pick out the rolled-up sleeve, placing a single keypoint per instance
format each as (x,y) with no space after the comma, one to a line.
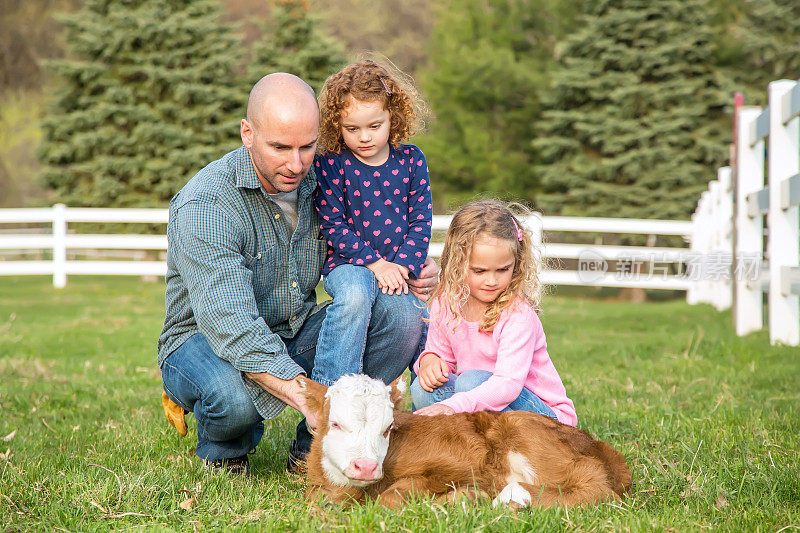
(207,243)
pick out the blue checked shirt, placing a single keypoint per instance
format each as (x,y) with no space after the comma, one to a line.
(236,273)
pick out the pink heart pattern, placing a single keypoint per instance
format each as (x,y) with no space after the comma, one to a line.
(399,191)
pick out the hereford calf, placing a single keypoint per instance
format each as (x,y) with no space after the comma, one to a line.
(366,447)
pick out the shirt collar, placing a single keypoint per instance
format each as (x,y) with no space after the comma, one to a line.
(246,176)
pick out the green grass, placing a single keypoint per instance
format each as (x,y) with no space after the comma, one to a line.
(709,423)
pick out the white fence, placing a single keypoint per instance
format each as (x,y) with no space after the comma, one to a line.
(592,262)
(748,207)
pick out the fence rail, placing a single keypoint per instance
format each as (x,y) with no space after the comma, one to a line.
(592,260)
(764,195)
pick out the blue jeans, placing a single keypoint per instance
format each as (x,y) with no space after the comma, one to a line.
(348,329)
(468,380)
(228,424)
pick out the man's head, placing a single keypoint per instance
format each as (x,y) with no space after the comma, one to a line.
(280,130)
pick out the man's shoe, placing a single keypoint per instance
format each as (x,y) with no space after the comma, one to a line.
(237,466)
(296,462)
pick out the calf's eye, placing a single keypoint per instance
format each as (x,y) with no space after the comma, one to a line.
(334,425)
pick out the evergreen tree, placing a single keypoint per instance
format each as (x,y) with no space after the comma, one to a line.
(636,125)
(147,98)
(294,43)
(486,64)
(767,33)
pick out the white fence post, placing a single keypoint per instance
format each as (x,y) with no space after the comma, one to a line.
(693,292)
(783,163)
(59,245)
(749,313)
(698,292)
(703,226)
(723,245)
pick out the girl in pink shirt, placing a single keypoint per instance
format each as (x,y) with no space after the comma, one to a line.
(486,349)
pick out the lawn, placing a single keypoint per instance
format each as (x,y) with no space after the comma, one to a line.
(708,422)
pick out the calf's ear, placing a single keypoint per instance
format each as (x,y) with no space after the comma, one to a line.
(397,390)
(314,393)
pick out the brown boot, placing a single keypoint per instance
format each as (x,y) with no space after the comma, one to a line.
(174,413)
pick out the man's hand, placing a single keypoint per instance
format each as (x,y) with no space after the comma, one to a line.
(433,372)
(435,409)
(288,391)
(425,284)
(391,276)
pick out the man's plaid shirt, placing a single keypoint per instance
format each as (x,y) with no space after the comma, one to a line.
(237,275)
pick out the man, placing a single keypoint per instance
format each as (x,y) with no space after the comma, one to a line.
(244,258)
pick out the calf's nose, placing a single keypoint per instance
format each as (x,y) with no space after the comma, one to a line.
(364,469)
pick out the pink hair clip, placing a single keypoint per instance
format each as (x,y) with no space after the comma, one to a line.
(519,231)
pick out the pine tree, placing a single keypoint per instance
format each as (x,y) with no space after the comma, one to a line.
(636,126)
(486,64)
(147,98)
(767,33)
(294,43)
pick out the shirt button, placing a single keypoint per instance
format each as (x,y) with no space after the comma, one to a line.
(277,216)
(294,284)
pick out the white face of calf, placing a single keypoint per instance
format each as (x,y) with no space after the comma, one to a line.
(357,438)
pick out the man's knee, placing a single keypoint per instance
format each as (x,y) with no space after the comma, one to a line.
(228,412)
(401,313)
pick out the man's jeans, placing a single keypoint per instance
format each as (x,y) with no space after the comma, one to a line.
(343,337)
(228,424)
(468,380)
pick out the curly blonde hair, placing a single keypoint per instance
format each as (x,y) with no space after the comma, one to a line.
(494,219)
(369,81)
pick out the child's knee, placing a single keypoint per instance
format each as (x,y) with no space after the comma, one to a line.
(353,300)
(470,379)
(419,397)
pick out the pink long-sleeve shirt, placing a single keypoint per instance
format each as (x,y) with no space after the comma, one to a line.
(515,352)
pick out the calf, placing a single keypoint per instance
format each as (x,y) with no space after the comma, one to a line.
(365,447)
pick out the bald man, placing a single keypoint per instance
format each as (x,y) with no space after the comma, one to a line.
(244,258)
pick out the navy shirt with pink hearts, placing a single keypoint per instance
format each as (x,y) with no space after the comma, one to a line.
(371,212)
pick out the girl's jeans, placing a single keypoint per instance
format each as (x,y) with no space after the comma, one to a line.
(348,328)
(526,401)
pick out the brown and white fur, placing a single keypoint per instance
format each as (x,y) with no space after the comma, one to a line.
(364,447)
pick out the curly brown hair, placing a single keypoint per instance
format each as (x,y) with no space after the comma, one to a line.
(495,219)
(369,81)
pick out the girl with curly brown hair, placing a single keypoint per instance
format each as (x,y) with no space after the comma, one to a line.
(374,203)
(486,348)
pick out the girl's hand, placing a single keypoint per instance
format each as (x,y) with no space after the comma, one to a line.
(435,409)
(433,372)
(391,277)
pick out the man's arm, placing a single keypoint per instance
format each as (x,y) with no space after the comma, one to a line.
(205,241)
(289,392)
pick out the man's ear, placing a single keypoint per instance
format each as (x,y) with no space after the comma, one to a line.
(314,393)
(397,390)
(246,131)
